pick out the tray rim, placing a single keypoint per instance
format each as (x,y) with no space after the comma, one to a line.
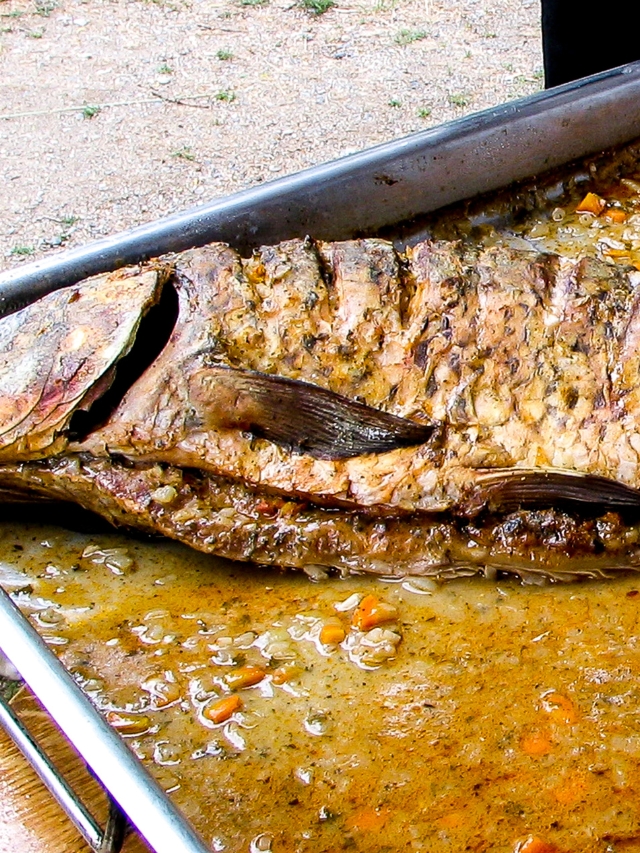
(374,188)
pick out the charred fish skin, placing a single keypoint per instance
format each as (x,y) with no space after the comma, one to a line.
(158,420)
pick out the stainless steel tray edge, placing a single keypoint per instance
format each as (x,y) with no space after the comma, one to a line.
(121,773)
(374,188)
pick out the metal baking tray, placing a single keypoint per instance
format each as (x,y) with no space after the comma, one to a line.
(380,190)
(377,188)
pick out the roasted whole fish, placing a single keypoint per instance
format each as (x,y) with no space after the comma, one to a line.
(446,411)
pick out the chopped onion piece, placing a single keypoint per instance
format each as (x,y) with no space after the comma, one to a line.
(349,603)
(261,843)
(420,586)
(316,572)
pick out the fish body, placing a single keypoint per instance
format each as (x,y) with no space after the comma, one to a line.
(443,411)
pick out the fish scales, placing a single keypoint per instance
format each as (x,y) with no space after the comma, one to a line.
(291,307)
(505,313)
(446,387)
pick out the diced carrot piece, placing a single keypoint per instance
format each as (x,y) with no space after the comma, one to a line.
(453,820)
(222,709)
(128,724)
(372,612)
(269,507)
(536,744)
(286,673)
(591,203)
(245,676)
(368,820)
(331,634)
(615,214)
(560,708)
(571,790)
(533,844)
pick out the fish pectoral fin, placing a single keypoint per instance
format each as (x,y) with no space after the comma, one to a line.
(298,415)
(517,488)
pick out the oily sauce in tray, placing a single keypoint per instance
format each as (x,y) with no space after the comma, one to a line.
(475,714)
(302,712)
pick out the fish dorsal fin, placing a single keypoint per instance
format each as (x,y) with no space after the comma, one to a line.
(521,487)
(298,415)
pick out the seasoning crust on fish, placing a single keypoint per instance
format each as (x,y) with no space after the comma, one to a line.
(437,412)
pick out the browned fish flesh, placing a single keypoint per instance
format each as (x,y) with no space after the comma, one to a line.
(443,411)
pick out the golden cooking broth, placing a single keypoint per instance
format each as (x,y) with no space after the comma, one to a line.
(504,710)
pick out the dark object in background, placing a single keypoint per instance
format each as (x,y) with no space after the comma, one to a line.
(577,42)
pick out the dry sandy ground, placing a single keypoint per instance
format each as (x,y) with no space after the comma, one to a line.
(117,112)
